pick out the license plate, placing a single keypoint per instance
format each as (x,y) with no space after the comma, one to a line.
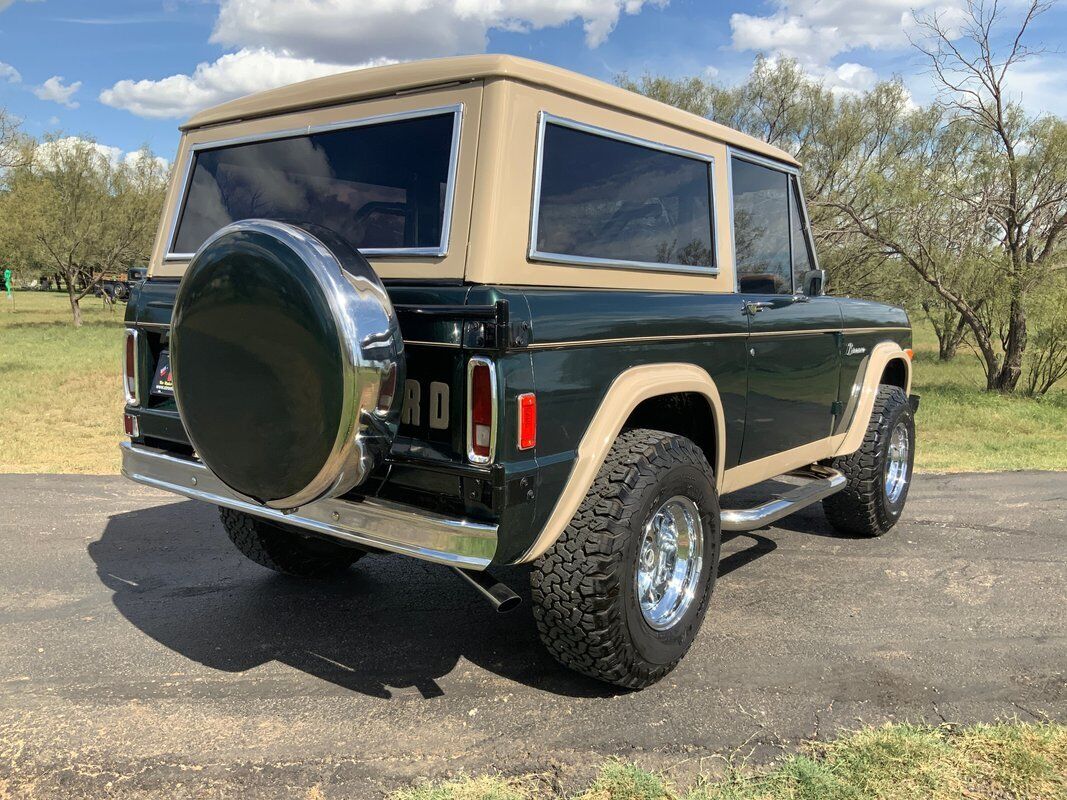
(162,384)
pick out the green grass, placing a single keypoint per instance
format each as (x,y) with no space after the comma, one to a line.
(61,406)
(894,762)
(961,428)
(60,386)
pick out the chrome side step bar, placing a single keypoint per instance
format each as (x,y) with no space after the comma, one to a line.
(822,482)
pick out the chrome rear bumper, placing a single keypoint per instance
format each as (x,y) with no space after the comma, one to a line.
(375,523)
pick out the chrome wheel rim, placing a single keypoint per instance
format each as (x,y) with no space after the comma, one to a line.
(896,463)
(668,562)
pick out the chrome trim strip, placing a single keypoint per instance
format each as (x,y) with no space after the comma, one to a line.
(372,522)
(681,337)
(441,250)
(692,336)
(455,345)
(589,261)
(807,220)
(471,456)
(533,254)
(824,482)
(133,398)
(630,339)
(763,161)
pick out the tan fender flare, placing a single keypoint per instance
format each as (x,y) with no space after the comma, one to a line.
(864,392)
(626,392)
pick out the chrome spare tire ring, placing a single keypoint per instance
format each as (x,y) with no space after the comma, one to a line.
(669,561)
(286,356)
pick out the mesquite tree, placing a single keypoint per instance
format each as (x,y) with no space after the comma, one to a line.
(78,211)
(1021,160)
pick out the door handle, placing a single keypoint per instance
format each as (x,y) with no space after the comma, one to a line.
(801,298)
(753,307)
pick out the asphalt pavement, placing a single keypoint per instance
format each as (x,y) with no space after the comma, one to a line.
(142,656)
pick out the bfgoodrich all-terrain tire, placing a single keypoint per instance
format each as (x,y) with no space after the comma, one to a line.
(596,597)
(283,549)
(879,472)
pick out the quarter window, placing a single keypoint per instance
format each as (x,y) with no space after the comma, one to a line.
(761,228)
(381,186)
(614,202)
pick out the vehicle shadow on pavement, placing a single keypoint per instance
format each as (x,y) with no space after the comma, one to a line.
(389,625)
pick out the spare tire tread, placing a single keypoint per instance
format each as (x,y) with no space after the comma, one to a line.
(284,550)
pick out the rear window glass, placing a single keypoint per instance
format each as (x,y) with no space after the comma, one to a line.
(604,199)
(382,186)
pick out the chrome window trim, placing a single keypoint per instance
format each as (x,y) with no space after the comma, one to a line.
(533,254)
(133,399)
(456,109)
(471,456)
(763,161)
(803,203)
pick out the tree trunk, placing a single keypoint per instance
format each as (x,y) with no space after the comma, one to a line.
(1007,377)
(953,339)
(75,305)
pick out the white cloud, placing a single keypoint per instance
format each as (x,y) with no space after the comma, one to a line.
(1038,84)
(848,78)
(5,4)
(56,91)
(817,30)
(233,75)
(334,30)
(9,73)
(48,151)
(282,41)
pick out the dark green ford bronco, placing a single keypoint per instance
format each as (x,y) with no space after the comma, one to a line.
(483,311)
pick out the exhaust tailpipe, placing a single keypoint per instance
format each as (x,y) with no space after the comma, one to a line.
(497,593)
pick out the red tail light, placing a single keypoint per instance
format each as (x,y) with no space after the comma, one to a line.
(481,410)
(527,421)
(130,372)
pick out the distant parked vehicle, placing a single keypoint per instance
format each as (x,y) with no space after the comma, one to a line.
(114,290)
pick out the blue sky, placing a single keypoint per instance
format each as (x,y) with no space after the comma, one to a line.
(126,72)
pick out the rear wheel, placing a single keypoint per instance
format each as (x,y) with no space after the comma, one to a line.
(621,595)
(284,549)
(879,472)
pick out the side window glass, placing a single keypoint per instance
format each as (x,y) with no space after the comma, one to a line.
(761,229)
(604,200)
(802,260)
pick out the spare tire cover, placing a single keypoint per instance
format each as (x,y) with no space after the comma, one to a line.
(285,354)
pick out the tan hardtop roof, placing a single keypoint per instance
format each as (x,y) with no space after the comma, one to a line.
(383,81)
